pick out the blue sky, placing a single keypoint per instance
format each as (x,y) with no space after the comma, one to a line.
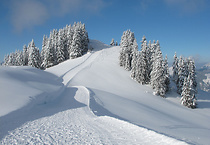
(180,25)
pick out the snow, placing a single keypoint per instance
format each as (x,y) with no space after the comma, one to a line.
(92,100)
(207,80)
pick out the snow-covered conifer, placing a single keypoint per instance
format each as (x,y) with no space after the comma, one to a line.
(157,74)
(25,55)
(181,74)
(112,43)
(76,45)
(144,60)
(175,68)
(166,73)
(33,55)
(188,99)
(192,74)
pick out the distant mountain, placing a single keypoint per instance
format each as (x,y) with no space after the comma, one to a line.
(203,78)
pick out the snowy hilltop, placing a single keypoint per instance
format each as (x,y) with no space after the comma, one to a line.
(92,100)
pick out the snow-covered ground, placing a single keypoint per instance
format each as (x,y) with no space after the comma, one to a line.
(91,100)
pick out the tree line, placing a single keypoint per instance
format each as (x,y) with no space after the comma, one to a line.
(67,43)
(147,66)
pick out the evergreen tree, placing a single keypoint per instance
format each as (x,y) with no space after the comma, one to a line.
(181,75)
(140,71)
(76,45)
(19,58)
(112,43)
(166,73)
(33,55)
(25,55)
(60,50)
(6,60)
(188,99)
(144,60)
(175,68)
(192,74)
(157,75)
(49,59)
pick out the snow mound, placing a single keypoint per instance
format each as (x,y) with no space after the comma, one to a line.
(20,85)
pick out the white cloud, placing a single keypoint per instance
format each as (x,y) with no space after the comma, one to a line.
(26,14)
(186,6)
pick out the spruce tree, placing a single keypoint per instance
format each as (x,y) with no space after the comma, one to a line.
(144,60)
(166,73)
(175,68)
(25,55)
(157,74)
(33,55)
(76,45)
(188,99)
(181,75)
(112,43)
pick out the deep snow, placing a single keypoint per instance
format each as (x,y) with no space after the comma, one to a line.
(91,100)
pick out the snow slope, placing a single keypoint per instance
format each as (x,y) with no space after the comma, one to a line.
(91,100)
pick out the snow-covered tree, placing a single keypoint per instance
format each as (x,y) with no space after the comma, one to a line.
(166,73)
(6,60)
(140,71)
(19,58)
(60,49)
(182,73)
(33,55)
(144,60)
(188,99)
(49,57)
(192,74)
(112,43)
(175,68)
(76,45)
(157,75)
(25,55)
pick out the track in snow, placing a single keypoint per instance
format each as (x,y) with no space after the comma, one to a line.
(81,126)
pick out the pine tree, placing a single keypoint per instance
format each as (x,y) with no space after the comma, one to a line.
(25,55)
(33,55)
(140,71)
(19,58)
(134,59)
(187,99)
(112,43)
(166,73)
(144,58)
(175,68)
(49,57)
(192,74)
(60,50)
(76,45)
(123,45)
(6,60)
(181,75)
(157,74)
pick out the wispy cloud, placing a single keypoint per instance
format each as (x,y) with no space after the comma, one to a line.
(186,6)
(26,14)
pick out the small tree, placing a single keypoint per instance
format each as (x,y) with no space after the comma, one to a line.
(112,43)
(188,99)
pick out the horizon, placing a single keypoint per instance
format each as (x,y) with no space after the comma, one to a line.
(181,26)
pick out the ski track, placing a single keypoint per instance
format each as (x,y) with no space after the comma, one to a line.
(80,125)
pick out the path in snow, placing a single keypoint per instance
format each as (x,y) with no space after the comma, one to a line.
(81,126)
